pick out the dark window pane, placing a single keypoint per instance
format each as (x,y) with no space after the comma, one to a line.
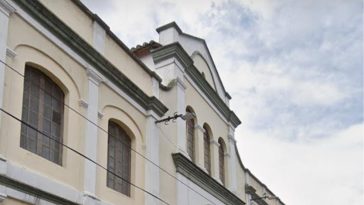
(119,159)
(207,151)
(39,112)
(221,161)
(190,124)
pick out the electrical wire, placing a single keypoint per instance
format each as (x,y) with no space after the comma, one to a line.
(105,131)
(82,155)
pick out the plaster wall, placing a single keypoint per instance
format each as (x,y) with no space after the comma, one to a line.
(67,11)
(34,49)
(195,194)
(127,65)
(202,66)
(39,51)
(192,45)
(10,201)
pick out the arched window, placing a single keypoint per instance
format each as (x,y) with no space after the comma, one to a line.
(190,132)
(206,143)
(222,160)
(119,159)
(42,109)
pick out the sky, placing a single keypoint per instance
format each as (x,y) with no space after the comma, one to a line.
(294,70)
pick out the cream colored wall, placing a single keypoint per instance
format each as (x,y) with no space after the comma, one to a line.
(115,108)
(127,65)
(67,11)
(10,201)
(202,66)
(261,190)
(241,181)
(168,145)
(71,76)
(205,114)
(256,185)
(34,48)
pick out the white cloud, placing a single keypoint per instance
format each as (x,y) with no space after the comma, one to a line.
(322,171)
(294,70)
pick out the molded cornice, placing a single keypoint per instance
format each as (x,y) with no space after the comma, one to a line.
(46,18)
(192,172)
(257,199)
(6,7)
(176,51)
(33,191)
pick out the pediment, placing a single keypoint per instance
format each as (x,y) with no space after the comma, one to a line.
(203,61)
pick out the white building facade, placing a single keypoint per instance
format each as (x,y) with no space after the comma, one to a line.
(84,120)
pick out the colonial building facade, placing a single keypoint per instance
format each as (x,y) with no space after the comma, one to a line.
(85,120)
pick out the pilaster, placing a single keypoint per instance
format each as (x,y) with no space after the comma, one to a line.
(94,81)
(181,124)
(152,172)
(182,190)
(5,11)
(214,148)
(200,147)
(232,183)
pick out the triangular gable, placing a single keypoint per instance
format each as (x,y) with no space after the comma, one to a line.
(197,49)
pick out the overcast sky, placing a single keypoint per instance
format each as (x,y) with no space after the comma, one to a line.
(294,71)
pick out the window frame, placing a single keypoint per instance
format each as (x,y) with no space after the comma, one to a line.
(190,136)
(42,104)
(222,151)
(207,149)
(119,175)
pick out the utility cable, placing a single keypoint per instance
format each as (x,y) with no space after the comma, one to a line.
(105,131)
(82,155)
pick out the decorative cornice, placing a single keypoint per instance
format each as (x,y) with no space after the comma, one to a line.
(214,142)
(170,25)
(250,190)
(2,197)
(46,18)
(191,171)
(6,7)
(34,191)
(199,127)
(180,32)
(231,138)
(93,76)
(83,103)
(180,83)
(96,18)
(10,53)
(176,51)
(173,50)
(100,115)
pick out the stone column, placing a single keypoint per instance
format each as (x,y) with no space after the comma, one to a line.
(181,124)
(5,11)
(232,160)
(199,133)
(91,132)
(152,172)
(214,149)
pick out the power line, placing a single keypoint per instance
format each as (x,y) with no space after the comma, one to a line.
(105,131)
(82,155)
